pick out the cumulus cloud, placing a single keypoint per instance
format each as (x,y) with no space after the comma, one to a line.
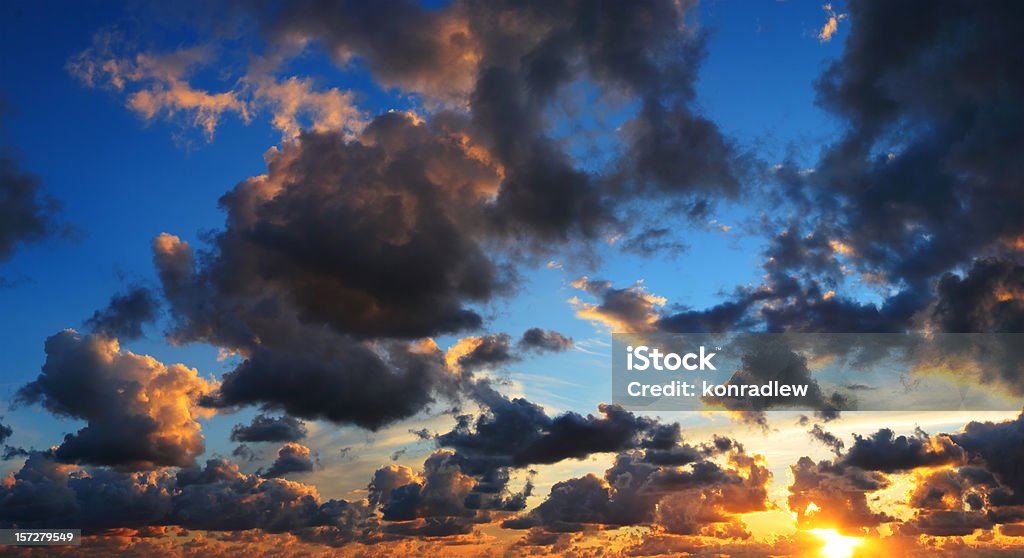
(291,458)
(139,412)
(629,309)
(826,494)
(537,339)
(679,500)
(264,428)
(216,497)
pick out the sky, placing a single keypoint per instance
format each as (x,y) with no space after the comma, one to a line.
(341,277)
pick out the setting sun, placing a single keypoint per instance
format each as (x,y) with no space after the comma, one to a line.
(836,545)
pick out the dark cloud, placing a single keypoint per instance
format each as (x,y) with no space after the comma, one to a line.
(244,453)
(998,446)
(629,309)
(830,440)
(636,492)
(438,501)
(925,177)
(139,413)
(9,452)
(217,497)
(291,458)
(26,213)
(770,359)
(125,314)
(511,75)
(537,339)
(485,351)
(373,238)
(336,379)
(801,292)
(652,241)
(988,298)
(519,433)
(515,434)
(265,428)
(884,451)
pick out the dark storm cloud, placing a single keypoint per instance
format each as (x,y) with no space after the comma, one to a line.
(265,428)
(884,451)
(537,339)
(125,314)
(927,174)
(139,413)
(291,458)
(5,432)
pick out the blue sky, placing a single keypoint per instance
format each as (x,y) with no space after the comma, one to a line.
(122,180)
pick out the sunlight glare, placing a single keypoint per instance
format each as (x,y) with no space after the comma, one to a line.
(836,545)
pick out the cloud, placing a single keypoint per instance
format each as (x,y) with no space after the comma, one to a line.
(831,495)
(831,24)
(635,492)
(160,85)
(989,297)
(885,452)
(291,458)
(5,432)
(652,241)
(336,379)
(26,213)
(470,353)
(537,339)
(265,428)
(217,497)
(827,438)
(630,309)
(139,412)
(920,181)
(125,314)
(766,360)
